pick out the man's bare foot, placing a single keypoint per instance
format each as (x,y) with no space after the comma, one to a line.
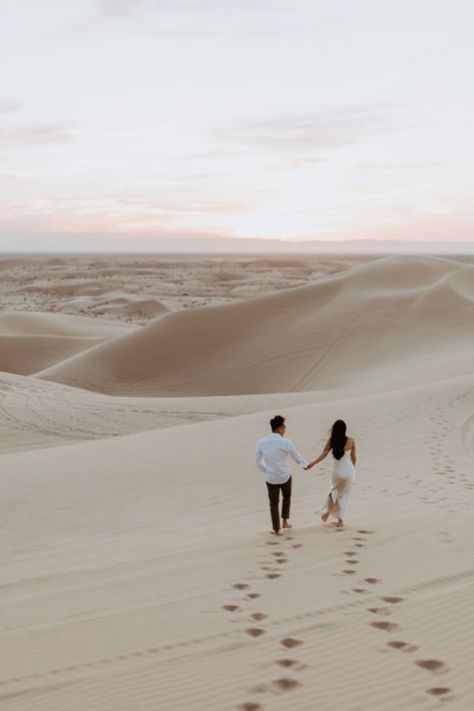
(286,523)
(324,517)
(275,533)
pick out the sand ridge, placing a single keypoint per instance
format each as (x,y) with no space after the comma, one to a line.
(32,341)
(296,340)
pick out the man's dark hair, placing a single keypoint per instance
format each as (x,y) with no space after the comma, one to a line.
(276,422)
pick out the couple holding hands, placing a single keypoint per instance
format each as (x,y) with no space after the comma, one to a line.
(272,460)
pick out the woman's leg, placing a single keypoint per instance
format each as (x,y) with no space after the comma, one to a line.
(328,507)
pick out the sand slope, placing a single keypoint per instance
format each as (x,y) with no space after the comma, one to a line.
(38,413)
(395,320)
(112,598)
(16,323)
(29,342)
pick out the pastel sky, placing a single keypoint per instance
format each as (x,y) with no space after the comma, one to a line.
(288,119)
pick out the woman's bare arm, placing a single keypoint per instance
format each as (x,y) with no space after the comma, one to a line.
(353,453)
(323,455)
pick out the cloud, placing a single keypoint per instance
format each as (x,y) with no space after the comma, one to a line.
(119,8)
(7,107)
(220,4)
(329,129)
(187,206)
(294,164)
(122,8)
(34,135)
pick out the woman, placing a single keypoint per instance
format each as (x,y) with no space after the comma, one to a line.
(344,452)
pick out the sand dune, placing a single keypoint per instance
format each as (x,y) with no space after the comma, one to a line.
(29,342)
(119,308)
(136,309)
(38,413)
(16,323)
(137,567)
(79,284)
(395,320)
(113,598)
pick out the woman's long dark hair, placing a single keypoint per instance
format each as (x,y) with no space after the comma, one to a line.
(338,438)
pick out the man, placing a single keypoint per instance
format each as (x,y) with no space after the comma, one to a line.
(271,459)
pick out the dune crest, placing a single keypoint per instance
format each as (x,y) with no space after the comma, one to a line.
(32,341)
(396,319)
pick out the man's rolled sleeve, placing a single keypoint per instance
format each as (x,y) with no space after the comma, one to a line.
(259,459)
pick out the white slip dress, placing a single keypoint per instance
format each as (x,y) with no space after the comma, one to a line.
(343,476)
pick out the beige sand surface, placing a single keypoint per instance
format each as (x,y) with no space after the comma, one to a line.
(98,285)
(385,322)
(137,568)
(32,341)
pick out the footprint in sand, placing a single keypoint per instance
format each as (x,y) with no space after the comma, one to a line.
(359,590)
(278,554)
(289,642)
(364,531)
(249,706)
(297,545)
(438,691)
(258,616)
(402,646)
(288,663)
(350,553)
(259,689)
(372,581)
(231,608)
(241,586)
(253,596)
(386,626)
(392,599)
(352,562)
(432,665)
(349,572)
(272,576)
(255,631)
(285,684)
(379,610)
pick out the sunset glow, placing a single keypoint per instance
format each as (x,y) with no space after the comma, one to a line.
(300,120)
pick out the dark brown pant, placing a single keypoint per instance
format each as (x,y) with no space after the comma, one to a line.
(274,499)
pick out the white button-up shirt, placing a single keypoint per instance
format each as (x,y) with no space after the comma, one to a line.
(272,455)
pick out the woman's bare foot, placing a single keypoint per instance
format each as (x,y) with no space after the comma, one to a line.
(339,523)
(275,533)
(325,516)
(286,523)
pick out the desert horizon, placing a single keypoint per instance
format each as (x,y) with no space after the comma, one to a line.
(236,247)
